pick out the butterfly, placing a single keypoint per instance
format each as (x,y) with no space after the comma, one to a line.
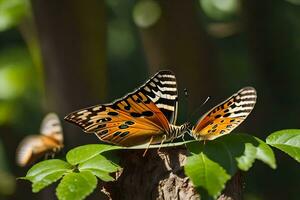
(226,116)
(50,140)
(147,115)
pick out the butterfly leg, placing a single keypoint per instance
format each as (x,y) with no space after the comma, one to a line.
(147,147)
(182,137)
(162,141)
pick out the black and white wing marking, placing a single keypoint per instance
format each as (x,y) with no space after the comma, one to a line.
(162,91)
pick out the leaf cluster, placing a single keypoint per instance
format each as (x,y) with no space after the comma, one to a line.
(210,163)
(78,173)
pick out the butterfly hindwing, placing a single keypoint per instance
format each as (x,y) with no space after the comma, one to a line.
(226,116)
(132,120)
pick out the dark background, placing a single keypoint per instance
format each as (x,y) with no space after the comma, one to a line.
(62,55)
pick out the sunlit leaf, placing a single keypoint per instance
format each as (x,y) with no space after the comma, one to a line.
(76,186)
(86,152)
(100,167)
(46,172)
(235,150)
(228,153)
(246,161)
(265,154)
(12,12)
(287,141)
(206,173)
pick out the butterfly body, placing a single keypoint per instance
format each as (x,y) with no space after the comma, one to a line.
(226,116)
(146,115)
(50,140)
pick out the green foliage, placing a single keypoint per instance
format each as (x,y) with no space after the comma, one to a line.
(219,9)
(210,165)
(206,173)
(220,159)
(146,13)
(86,152)
(12,12)
(7,180)
(100,167)
(79,174)
(287,141)
(16,79)
(76,185)
(46,172)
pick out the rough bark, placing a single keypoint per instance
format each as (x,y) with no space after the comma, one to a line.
(160,175)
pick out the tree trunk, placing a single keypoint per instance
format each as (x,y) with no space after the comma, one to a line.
(160,175)
(178,42)
(72,37)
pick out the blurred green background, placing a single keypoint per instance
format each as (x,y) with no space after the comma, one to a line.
(62,55)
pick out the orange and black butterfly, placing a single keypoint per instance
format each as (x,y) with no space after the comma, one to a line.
(50,141)
(147,115)
(226,116)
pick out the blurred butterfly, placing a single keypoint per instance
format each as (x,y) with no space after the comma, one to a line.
(50,140)
(226,116)
(147,115)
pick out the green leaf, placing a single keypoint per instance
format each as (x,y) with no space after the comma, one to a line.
(206,173)
(76,186)
(287,141)
(46,172)
(100,167)
(235,150)
(229,152)
(265,154)
(86,152)
(11,12)
(246,161)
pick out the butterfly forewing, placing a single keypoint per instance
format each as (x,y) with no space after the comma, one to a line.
(226,116)
(162,91)
(139,117)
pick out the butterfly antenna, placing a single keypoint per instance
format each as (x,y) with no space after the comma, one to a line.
(186,102)
(198,108)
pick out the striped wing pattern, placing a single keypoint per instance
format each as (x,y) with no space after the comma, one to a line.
(141,116)
(162,91)
(226,116)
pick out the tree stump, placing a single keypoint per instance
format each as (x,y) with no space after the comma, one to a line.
(160,175)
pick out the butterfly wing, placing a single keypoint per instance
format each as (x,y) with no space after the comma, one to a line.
(226,116)
(130,121)
(51,127)
(162,91)
(33,147)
